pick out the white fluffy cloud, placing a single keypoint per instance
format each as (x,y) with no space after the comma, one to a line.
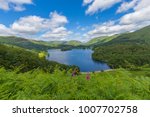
(133,4)
(55,24)
(97,5)
(111,28)
(28,25)
(60,33)
(129,22)
(4,31)
(142,4)
(17,5)
(125,6)
(139,16)
(49,28)
(85,2)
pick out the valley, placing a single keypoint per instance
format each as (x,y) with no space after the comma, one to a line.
(25,73)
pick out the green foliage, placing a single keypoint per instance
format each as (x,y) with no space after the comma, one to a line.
(129,50)
(12,58)
(24,43)
(141,37)
(39,85)
(42,54)
(74,43)
(38,45)
(100,40)
(25,75)
(124,56)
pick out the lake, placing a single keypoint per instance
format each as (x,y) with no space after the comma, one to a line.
(79,57)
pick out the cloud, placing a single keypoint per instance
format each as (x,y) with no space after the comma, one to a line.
(56,24)
(134,4)
(111,28)
(17,5)
(137,16)
(57,20)
(142,4)
(99,5)
(125,6)
(60,33)
(85,2)
(4,31)
(30,26)
(132,21)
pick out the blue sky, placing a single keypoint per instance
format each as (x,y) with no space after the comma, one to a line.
(71,19)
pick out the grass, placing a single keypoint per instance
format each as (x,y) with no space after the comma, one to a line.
(119,84)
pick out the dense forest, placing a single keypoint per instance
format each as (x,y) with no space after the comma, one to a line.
(126,56)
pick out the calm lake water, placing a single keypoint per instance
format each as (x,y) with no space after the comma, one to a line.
(79,57)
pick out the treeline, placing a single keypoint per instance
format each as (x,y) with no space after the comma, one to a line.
(123,55)
(14,58)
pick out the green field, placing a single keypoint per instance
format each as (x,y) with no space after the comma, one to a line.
(118,84)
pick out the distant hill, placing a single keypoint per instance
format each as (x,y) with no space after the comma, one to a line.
(74,43)
(141,36)
(24,43)
(127,50)
(37,45)
(100,40)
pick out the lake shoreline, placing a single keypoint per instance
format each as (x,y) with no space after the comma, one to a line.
(98,71)
(78,57)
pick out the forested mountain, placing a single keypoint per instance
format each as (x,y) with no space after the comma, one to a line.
(38,45)
(24,43)
(126,50)
(141,36)
(100,40)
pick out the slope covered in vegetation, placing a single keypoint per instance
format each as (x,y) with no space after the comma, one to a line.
(126,50)
(141,36)
(36,84)
(24,43)
(38,45)
(100,40)
(13,57)
(125,56)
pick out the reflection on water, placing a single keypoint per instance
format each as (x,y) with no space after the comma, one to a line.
(79,57)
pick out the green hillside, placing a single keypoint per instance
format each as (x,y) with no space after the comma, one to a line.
(126,56)
(24,43)
(38,85)
(100,40)
(38,45)
(74,43)
(141,36)
(14,57)
(127,50)
(95,40)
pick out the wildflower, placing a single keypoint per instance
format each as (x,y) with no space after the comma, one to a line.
(88,76)
(74,73)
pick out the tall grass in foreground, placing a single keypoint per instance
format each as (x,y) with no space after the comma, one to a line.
(119,84)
